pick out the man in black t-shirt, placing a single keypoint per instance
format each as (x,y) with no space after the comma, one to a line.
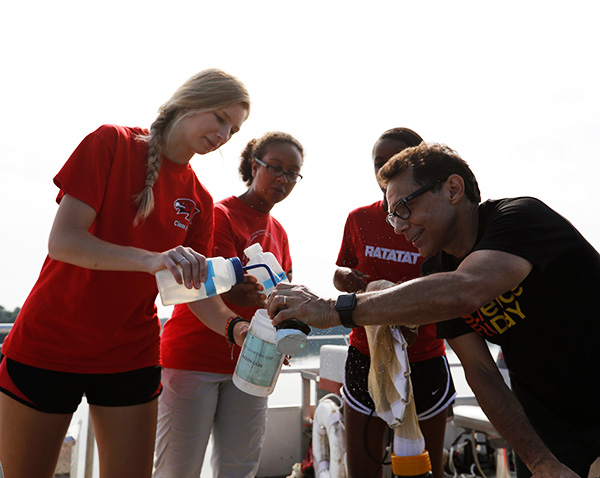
(510,271)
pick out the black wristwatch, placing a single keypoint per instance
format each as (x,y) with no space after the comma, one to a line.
(345,305)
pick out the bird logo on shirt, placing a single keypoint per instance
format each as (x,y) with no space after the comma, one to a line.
(187,207)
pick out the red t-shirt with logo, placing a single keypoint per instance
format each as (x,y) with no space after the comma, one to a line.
(187,343)
(371,246)
(88,321)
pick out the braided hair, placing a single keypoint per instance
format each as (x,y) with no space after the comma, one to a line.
(206,91)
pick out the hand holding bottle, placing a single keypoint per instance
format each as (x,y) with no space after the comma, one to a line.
(220,276)
(187,266)
(254,291)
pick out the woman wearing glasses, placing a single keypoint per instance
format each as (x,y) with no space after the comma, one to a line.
(199,395)
(371,251)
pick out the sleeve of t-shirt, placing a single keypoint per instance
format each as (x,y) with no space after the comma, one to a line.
(527,228)
(448,329)
(347,256)
(84,176)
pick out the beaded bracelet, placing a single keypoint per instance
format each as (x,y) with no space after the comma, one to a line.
(234,319)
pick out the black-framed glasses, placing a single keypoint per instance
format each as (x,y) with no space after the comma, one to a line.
(401,209)
(290,174)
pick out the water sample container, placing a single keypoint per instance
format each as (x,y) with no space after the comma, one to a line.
(221,275)
(268,276)
(259,363)
(291,336)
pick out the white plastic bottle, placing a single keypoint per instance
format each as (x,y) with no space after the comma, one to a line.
(291,336)
(259,363)
(256,256)
(221,275)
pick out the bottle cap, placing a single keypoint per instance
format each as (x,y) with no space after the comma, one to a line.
(294,324)
(238,270)
(416,465)
(291,336)
(253,249)
(290,341)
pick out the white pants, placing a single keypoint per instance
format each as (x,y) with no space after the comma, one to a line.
(192,405)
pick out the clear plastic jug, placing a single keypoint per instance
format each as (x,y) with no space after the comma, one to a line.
(221,275)
(268,276)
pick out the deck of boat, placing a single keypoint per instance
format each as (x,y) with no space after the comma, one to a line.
(470,438)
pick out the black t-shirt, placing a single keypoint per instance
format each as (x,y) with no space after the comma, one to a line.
(548,326)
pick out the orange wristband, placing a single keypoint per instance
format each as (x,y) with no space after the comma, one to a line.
(234,319)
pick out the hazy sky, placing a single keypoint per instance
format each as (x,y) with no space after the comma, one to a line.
(512,86)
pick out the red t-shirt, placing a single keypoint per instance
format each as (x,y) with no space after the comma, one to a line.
(371,246)
(87,321)
(187,343)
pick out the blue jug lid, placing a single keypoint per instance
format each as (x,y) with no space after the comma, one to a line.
(237,269)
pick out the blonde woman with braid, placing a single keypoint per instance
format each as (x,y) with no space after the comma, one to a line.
(129,206)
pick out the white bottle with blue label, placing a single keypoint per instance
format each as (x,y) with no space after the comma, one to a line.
(268,276)
(221,275)
(292,335)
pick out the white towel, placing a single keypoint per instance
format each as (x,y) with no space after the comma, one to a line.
(390,386)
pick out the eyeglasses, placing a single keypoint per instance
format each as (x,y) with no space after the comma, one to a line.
(401,209)
(290,174)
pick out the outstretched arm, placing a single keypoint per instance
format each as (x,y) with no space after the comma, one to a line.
(480,278)
(502,408)
(70,241)
(213,312)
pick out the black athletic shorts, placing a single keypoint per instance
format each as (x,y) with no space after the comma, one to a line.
(433,388)
(61,392)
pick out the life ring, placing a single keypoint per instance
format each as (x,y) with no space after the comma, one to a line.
(328,445)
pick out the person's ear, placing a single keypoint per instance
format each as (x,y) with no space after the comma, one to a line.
(455,186)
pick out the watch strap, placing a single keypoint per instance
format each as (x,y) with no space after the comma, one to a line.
(345,313)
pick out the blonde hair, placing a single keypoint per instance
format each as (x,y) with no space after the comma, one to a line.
(206,91)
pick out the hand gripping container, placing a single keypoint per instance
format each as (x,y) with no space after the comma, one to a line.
(221,275)
(291,336)
(259,363)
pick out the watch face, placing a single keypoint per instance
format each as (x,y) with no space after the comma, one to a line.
(345,301)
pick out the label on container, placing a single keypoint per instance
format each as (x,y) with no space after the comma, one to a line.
(209,285)
(278,278)
(258,362)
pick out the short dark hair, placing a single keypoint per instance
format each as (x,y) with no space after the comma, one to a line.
(406,135)
(257,147)
(430,163)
